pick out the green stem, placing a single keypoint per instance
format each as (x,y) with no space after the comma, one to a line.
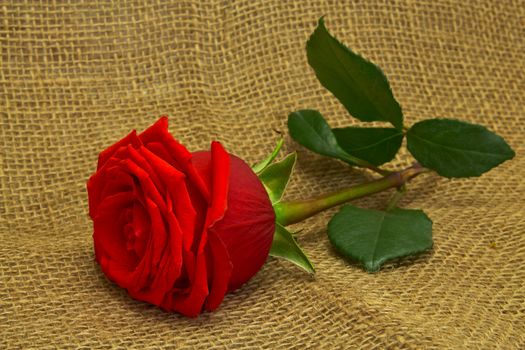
(392,203)
(288,213)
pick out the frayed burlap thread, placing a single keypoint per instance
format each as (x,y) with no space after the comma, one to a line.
(77,76)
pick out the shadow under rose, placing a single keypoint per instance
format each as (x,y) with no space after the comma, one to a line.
(244,298)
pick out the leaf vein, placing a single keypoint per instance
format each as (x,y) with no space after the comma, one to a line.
(498,155)
(376,143)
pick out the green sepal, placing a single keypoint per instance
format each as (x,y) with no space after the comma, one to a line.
(373,237)
(275,177)
(357,83)
(257,168)
(284,246)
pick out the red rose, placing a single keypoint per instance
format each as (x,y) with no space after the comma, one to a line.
(176,229)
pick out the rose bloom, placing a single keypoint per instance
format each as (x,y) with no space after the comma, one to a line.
(174,228)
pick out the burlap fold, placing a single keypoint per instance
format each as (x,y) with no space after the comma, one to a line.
(77,76)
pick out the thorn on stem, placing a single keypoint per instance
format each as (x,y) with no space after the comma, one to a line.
(278,131)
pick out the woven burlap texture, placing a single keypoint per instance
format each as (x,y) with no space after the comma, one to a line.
(77,76)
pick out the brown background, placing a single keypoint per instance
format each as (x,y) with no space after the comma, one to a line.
(76,76)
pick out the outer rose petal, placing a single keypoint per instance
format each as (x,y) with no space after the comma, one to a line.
(249,223)
(222,266)
(130,139)
(216,173)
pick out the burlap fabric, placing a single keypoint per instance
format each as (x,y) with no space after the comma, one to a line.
(75,77)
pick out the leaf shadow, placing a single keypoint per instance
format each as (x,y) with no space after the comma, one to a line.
(323,174)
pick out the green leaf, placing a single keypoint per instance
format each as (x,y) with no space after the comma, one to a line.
(375,145)
(372,237)
(309,129)
(455,148)
(257,168)
(285,246)
(357,83)
(276,176)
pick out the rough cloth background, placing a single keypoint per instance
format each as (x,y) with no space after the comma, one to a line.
(77,76)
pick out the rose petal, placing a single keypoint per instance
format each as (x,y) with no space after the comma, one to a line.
(141,275)
(248,226)
(107,234)
(114,180)
(158,133)
(130,139)
(110,178)
(177,193)
(159,248)
(175,238)
(218,177)
(141,223)
(116,272)
(146,184)
(155,132)
(191,304)
(157,231)
(199,202)
(219,185)
(138,157)
(222,269)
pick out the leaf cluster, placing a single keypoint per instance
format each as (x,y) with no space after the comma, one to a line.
(449,147)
